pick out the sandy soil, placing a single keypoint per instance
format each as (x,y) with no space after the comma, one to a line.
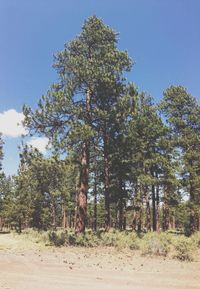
(30,266)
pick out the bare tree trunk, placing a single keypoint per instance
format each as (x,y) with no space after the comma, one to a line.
(157,210)
(139,209)
(95,203)
(70,220)
(81,199)
(53,216)
(173,222)
(1,224)
(65,219)
(107,180)
(199,222)
(154,208)
(120,215)
(193,226)
(166,219)
(120,207)
(134,221)
(124,220)
(148,210)
(192,221)
(19,225)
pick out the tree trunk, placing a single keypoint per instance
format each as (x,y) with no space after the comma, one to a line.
(70,220)
(121,208)
(173,222)
(166,219)
(1,224)
(65,219)
(107,180)
(192,221)
(124,216)
(157,210)
(199,222)
(148,210)
(154,208)
(193,226)
(53,212)
(95,203)
(139,209)
(19,225)
(81,199)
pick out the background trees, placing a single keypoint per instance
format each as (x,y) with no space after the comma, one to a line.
(183,117)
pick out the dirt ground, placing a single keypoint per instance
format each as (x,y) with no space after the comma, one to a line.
(26,265)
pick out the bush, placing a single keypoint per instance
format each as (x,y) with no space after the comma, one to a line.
(196,239)
(36,235)
(69,238)
(57,238)
(156,244)
(184,249)
(152,243)
(120,240)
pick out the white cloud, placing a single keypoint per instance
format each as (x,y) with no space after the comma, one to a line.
(39,142)
(11,123)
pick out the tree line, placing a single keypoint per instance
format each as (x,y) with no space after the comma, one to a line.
(116,159)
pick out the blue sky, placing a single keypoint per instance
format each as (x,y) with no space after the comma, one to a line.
(162,37)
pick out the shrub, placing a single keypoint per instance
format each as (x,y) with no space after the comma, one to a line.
(127,240)
(184,249)
(156,244)
(36,235)
(69,238)
(88,239)
(57,238)
(196,239)
(120,240)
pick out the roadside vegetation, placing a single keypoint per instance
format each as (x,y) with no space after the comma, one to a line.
(167,245)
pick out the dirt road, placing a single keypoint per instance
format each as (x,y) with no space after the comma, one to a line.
(30,266)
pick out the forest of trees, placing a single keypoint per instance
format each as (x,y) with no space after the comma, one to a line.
(116,159)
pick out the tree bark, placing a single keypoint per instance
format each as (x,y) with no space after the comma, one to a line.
(1,224)
(19,225)
(81,199)
(157,210)
(166,218)
(95,203)
(121,208)
(139,208)
(65,219)
(107,180)
(193,226)
(199,222)
(53,212)
(81,209)
(148,210)
(154,208)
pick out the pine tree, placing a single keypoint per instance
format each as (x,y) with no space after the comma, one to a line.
(44,189)
(147,134)
(90,69)
(182,112)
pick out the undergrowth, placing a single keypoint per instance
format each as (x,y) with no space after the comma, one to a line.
(149,244)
